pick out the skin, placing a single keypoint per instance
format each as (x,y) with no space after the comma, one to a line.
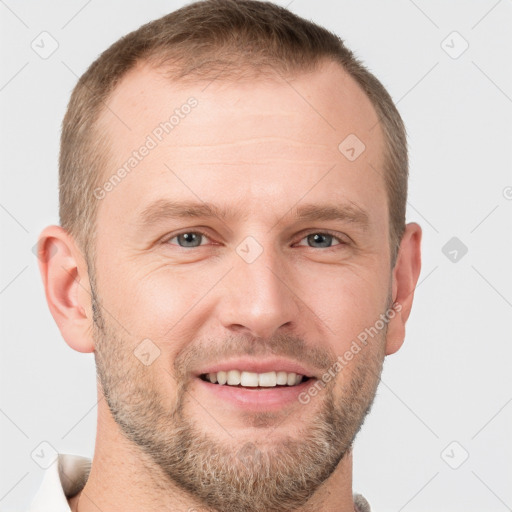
(262,148)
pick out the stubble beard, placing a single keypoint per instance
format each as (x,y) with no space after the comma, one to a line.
(239,475)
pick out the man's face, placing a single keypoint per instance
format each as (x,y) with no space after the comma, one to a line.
(261,290)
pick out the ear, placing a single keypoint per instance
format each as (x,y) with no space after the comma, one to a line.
(66,282)
(405,277)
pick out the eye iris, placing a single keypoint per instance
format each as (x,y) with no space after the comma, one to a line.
(317,237)
(190,238)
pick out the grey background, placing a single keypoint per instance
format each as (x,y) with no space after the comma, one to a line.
(450,382)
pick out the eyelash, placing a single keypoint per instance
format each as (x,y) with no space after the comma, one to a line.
(203,233)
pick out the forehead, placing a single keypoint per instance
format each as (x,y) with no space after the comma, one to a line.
(262,142)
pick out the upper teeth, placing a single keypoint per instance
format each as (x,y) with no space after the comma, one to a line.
(252,379)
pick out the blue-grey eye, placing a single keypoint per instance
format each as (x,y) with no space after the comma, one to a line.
(189,239)
(322,240)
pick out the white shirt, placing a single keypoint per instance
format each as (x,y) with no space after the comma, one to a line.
(65,478)
(68,475)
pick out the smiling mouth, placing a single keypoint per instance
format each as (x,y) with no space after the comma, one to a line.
(253,380)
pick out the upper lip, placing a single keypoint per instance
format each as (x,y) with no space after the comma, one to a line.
(258,366)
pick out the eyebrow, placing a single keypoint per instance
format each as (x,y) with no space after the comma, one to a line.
(164,209)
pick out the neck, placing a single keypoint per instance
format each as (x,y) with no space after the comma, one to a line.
(123,478)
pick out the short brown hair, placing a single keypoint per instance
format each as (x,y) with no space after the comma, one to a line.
(201,41)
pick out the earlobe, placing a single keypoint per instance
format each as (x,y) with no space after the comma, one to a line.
(405,277)
(66,283)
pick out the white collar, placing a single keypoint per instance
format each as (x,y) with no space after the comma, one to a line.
(65,478)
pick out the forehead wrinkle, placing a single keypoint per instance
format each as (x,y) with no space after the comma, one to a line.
(254,140)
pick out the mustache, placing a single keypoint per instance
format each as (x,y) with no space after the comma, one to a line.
(194,355)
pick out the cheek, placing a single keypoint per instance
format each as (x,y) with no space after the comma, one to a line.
(159,303)
(347,301)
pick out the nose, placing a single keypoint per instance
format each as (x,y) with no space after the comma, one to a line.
(258,297)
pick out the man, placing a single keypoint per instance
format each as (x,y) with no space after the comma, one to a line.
(234,250)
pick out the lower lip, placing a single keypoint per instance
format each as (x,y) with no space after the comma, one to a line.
(257,399)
